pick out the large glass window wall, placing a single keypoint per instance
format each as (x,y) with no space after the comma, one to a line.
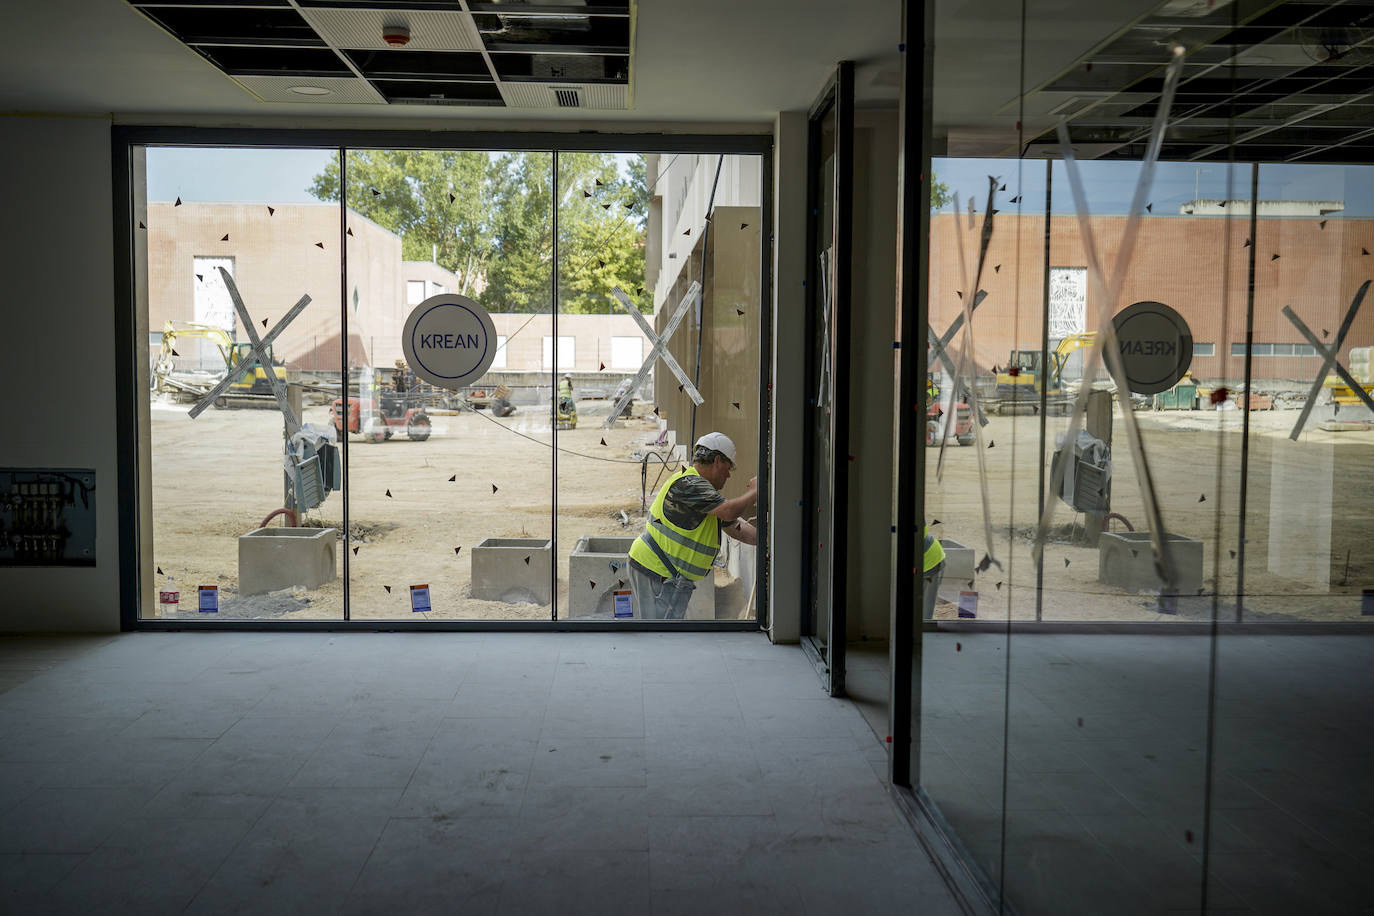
(330,482)
(1144,683)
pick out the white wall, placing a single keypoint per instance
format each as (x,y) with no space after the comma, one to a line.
(872,323)
(789,377)
(58,351)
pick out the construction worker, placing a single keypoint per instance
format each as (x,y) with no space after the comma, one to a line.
(932,391)
(932,572)
(679,545)
(565,394)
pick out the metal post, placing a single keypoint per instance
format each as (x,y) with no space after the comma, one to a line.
(553,393)
(913,318)
(1098,423)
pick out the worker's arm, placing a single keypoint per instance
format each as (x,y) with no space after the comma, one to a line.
(742,531)
(731,509)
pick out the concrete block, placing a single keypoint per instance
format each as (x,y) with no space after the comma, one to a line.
(1126,560)
(599,559)
(959,564)
(277,558)
(500,571)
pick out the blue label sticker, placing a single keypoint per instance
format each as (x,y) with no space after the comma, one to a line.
(419,599)
(623,602)
(209,599)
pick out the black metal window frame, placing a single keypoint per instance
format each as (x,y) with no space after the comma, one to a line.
(124,140)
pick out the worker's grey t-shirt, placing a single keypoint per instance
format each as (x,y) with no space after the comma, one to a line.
(689,500)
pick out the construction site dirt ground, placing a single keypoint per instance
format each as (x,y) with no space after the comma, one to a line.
(1295,492)
(215,478)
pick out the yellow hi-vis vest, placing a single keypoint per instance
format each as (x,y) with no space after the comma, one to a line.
(935,553)
(691,550)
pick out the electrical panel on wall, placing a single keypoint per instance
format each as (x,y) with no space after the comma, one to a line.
(47,517)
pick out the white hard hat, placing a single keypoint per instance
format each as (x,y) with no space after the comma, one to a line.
(718,442)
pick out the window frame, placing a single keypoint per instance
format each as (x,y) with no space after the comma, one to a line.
(133,496)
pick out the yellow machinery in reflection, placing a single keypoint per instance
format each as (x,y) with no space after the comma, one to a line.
(253,385)
(1019,384)
(1361,369)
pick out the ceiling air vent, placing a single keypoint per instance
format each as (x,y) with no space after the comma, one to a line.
(568,98)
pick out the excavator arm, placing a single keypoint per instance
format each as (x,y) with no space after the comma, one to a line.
(1066,348)
(173,330)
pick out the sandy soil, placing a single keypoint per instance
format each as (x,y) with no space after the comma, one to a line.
(216,477)
(1195,459)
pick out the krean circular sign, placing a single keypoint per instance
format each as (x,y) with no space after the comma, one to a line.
(1156,346)
(449,341)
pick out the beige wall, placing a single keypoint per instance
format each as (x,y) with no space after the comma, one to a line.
(873,297)
(592,335)
(277,259)
(730,352)
(59,327)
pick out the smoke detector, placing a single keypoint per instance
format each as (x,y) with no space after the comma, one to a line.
(396,36)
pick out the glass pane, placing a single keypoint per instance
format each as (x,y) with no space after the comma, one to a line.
(221,224)
(632,232)
(450,492)
(1291,711)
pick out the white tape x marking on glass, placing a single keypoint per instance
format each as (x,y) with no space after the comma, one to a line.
(658,351)
(259,354)
(1329,360)
(1106,346)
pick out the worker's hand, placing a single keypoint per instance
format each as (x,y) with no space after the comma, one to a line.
(752,488)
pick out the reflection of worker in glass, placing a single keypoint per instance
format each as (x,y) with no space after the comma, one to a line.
(932,572)
(404,380)
(679,545)
(565,394)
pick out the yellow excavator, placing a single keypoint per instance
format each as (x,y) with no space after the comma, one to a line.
(253,384)
(1361,369)
(1020,382)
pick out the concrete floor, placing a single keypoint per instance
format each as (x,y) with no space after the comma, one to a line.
(1098,792)
(473,773)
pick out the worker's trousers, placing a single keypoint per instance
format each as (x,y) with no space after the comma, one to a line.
(657,598)
(930,587)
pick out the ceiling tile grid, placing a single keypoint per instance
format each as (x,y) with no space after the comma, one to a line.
(569,55)
(340,90)
(362,29)
(546,95)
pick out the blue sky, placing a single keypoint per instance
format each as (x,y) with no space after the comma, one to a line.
(1109,185)
(269,176)
(266,176)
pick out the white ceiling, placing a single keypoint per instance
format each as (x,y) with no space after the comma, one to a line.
(732,64)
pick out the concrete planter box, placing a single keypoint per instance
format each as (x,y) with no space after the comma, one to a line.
(277,558)
(959,564)
(1126,560)
(601,560)
(500,573)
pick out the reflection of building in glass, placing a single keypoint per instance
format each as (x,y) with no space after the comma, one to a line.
(1179,261)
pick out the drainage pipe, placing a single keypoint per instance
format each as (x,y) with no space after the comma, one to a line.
(289,513)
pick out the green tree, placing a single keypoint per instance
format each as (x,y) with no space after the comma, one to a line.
(440,202)
(489,217)
(601,236)
(939,192)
